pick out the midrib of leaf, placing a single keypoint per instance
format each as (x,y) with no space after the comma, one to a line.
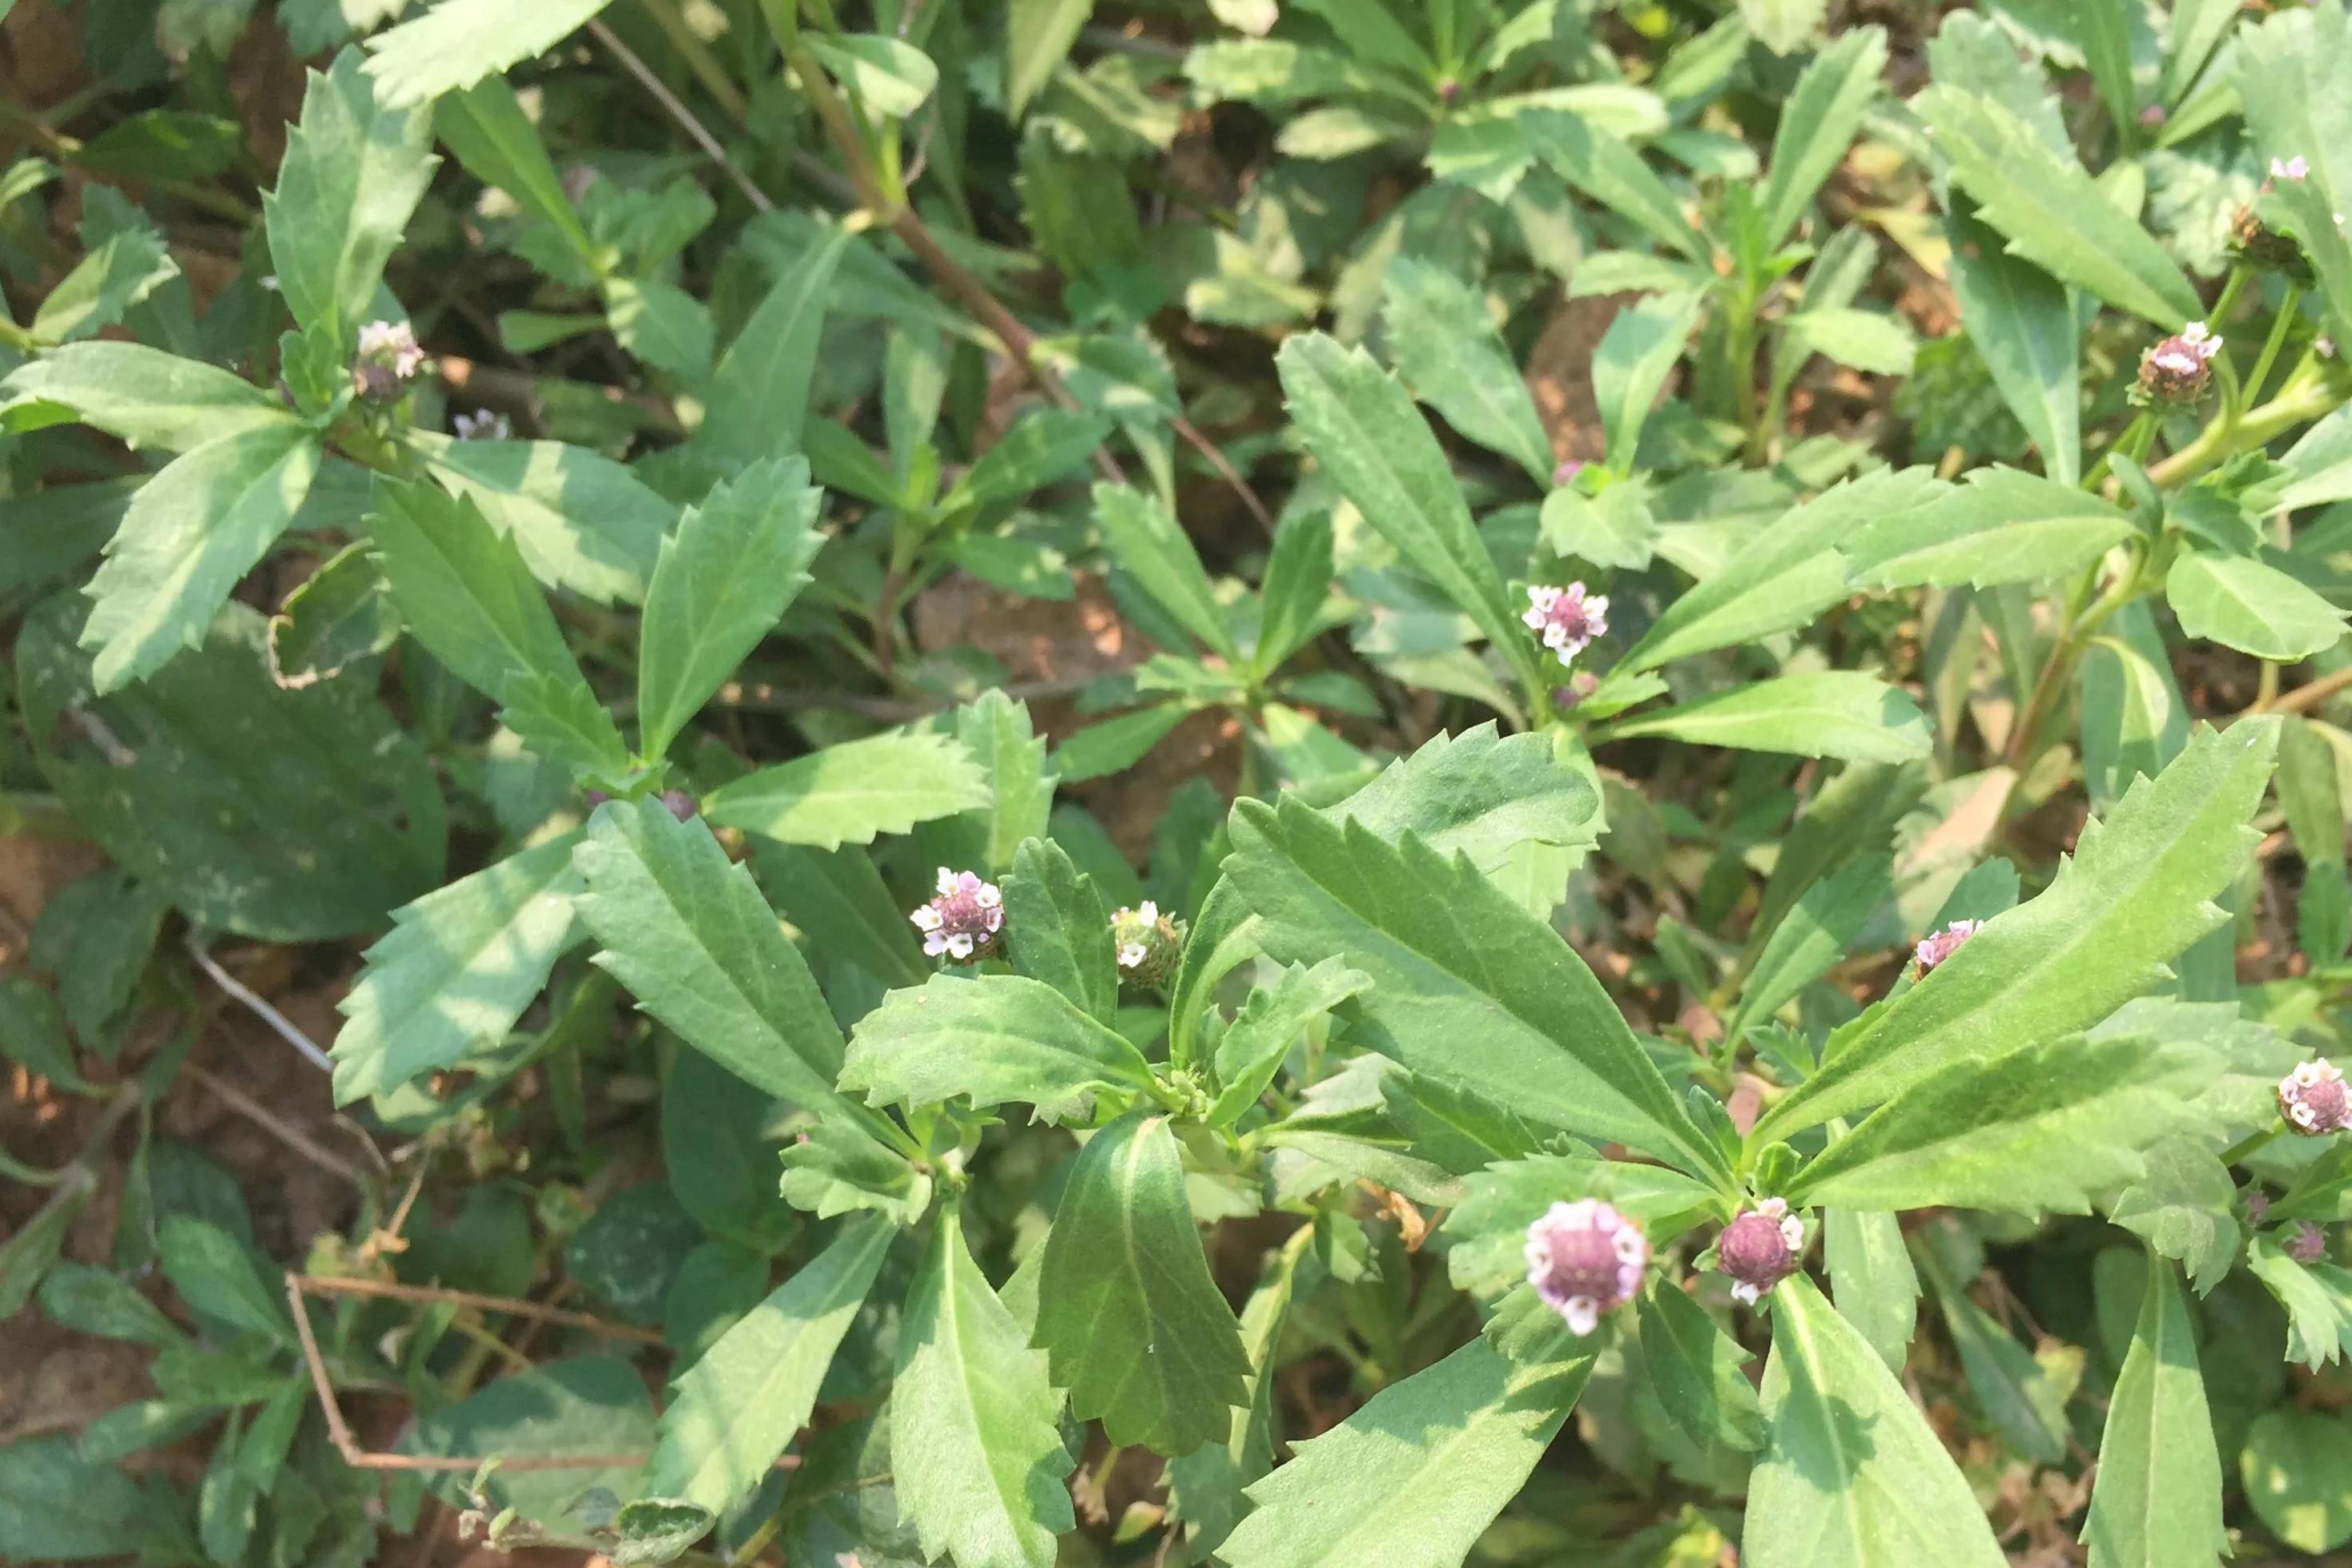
(1132,1258)
(968,1416)
(1817,1400)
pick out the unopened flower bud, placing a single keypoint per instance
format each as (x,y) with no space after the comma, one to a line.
(1937,946)
(1579,686)
(2307,1243)
(2254,242)
(680,804)
(2312,1100)
(2179,370)
(1566,618)
(1148,944)
(1760,1249)
(2258,1204)
(1585,1259)
(2152,115)
(1566,473)
(963,921)
(387,359)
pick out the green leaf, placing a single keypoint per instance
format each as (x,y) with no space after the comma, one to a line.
(662,325)
(2013,1391)
(1850,1471)
(760,392)
(191,533)
(92,1302)
(1489,1227)
(2134,718)
(282,816)
(1364,432)
(1805,945)
(492,135)
(2004,525)
(1817,123)
(2317,1297)
(833,1170)
(2019,318)
(123,270)
(841,908)
(2291,79)
(1466,984)
(733,1411)
(339,616)
(687,930)
(1146,539)
(460,42)
(2041,1127)
(354,170)
(974,1439)
(1444,343)
(1630,368)
(1415,1477)
(584,1407)
(1134,1327)
(1827,713)
(720,584)
(887,76)
(1044,447)
(2244,605)
(2298,1470)
(1115,743)
(56,1506)
(1695,1367)
(2185,1206)
(720,1143)
(1860,339)
(1787,572)
(214,1273)
(459,967)
(1057,930)
(1037,38)
(995,1038)
(1781,24)
(467,595)
(2135,893)
(1615,528)
(1872,1276)
(2156,1500)
(855,791)
(582,521)
(2053,213)
(1260,1035)
(1479,794)
(1605,169)
(1296,584)
(144,395)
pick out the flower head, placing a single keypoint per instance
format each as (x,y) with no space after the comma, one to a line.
(484,426)
(1566,473)
(387,359)
(1938,946)
(1148,944)
(963,919)
(2179,369)
(2258,1204)
(2307,1243)
(1568,619)
(680,804)
(2312,1100)
(2298,168)
(1760,1249)
(1584,1258)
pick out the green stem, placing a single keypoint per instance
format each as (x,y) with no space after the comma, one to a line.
(2302,398)
(2239,277)
(2277,341)
(2247,1145)
(2134,443)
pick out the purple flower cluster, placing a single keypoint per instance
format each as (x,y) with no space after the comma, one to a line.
(1567,620)
(2312,1100)
(1760,1249)
(2179,369)
(1937,946)
(963,921)
(1585,1259)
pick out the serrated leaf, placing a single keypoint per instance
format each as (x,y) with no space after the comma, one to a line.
(2044,1127)
(1604,168)
(1850,1471)
(1788,571)
(2003,525)
(1695,1367)
(2244,605)
(354,170)
(456,971)
(1043,447)
(760,392)
(852,793)
(1134,1327)
(2053,213)
(1412,1478)
(486,127)
(2012,1390)
(1444,343)
(1630,367)
(996,1038)
(1871,1273)
(1057,930)
(2135,894)
(1826,713)
(974,1441)
(830,1170)
(191,533)
(2184,1206)
(1816,934)
(1479,794)
(144,395)
(1466,984)
(733,1411)
(720,584)
(2317,1297)
(1260,1035)
(1364,432)
(1145,538)
(460,42)
(2156,1500)
(1817,123)
(341,615)
(582,521)
(1115,743)
(2020,320)
(123,271)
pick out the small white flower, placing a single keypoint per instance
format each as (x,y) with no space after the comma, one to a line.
(2296,168)
(964,918)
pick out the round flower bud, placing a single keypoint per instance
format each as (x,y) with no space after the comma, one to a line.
(1585,1259)
(1566,473)
(1577,687)
(2312,1100)
(1760,1249)
(2179,370)
(1149,944)
(2307,1243)
(1938,946)
(963,921)
(1567,618)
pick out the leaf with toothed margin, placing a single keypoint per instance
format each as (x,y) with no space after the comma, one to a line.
(855,791)
(2135,893)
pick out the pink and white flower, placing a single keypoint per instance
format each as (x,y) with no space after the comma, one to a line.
(1938,946)
(1760,1249)
(2312,1100)
(2298,168)
(1567,618)
(1585,1259)
(963,921)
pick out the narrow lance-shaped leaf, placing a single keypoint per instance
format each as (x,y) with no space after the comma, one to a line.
(1058,929)
(486,127)
(1630,368)
(974,1442)
(2135,893)
(1695,1367)
(1135,1328)
(760,392)
(735,1409)
(853,792)
(147,397)
(1823,713)
(2014,1390)
(1850,1471)
(1604,168)
(2021,323)
(1146,539)
(1815,935)
(582,521)
(1445,345)
(460,42)
(2004,525)
(2156,1500)
(1817,123)
(1871,1273)
(1253,1048)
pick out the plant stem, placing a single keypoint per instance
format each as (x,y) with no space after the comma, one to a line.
(2134,443)
(2301,400)
(2307,696)
(2247,1145)
(2059,668)
(2276,341)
